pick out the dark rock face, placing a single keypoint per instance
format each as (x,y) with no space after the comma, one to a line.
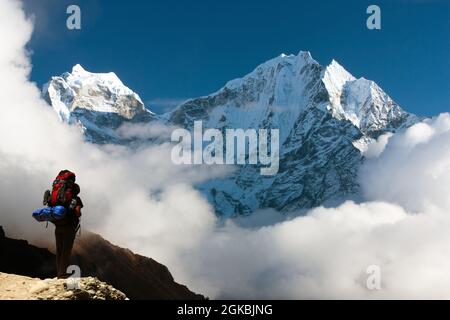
(136,276)
(19,257)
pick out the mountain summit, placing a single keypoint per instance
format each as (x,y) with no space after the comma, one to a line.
(97,102)
(325,115)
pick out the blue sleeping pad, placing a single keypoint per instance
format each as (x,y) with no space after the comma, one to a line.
(51,214)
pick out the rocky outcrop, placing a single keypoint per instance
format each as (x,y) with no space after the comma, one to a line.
(15,287)
(138,277)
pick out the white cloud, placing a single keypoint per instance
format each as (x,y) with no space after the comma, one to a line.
(156,131)
(138,199)
(414,168)
(375,148)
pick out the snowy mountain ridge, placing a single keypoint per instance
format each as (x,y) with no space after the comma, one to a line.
(325,115)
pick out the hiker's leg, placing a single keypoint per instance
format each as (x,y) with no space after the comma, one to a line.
(69,238)
(59,247)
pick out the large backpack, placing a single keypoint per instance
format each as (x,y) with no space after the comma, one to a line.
(64,189)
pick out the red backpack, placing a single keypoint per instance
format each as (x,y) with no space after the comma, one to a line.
(64,189)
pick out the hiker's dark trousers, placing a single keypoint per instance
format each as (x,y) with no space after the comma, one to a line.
(65,237)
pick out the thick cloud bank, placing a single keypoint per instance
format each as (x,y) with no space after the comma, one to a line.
(134,197)
(139,200)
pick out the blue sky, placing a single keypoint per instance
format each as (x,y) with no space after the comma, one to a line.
(169,50)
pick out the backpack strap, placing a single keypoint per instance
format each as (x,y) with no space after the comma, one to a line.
(78,228)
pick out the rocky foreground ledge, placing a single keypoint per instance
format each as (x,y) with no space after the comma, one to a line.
(14,287)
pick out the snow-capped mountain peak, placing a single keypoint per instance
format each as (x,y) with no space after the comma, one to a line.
(360,101)
(109,83)
(273,67)
(98,102)
(326,117)
(334,78)
(78,69)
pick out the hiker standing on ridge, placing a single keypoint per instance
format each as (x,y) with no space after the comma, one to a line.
(65,193)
